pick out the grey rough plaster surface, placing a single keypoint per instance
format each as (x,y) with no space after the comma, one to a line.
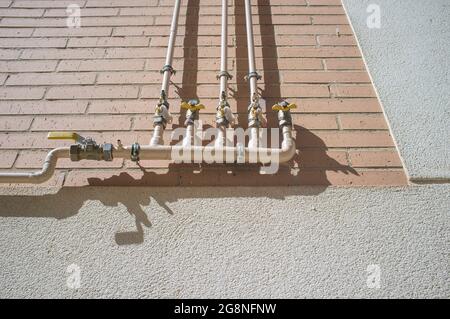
(225,242)
(408,59)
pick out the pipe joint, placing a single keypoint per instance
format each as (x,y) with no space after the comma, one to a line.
(135,150)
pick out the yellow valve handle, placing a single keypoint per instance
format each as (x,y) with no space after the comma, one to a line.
(64,136)
(278,107)
(187,106)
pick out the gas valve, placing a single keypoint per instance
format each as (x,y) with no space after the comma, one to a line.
(284,112)
(192,109)
(162,115)
(85,148)
(224,115)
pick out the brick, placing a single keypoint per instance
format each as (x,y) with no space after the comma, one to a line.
(292,64)
(6,54)
(136,53)
(326,77)
(15,32)
(7,158)
(73,32)
(120,107)
(333,40)
(39,54)
(339,52)
(290,91)
(363,122)
(315,122)
(366,105)
(5,3)
(21,93)
(142,11)
(372,159)
(187,64)
(120,3)
(310,158)
(15,123)
(50,78)
(117,21)
(43,107)
(82,123)
(324,2)
(34,159)
(353,91)
(306,10)
(128,77)
(333,19)
(27,66)
(344,139)
(101,65)
(311,29)
(46,4)
(92,92)
(85,12)
(8,13)
(162,41)
(344,64)
(109,42)
(33,22)
(290,40)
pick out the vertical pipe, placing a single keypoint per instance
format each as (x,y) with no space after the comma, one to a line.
(253,77)
(167,71)
(224,50)
(163,106)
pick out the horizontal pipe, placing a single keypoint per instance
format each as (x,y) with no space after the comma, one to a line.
(164,152)
(48,168)
(261,155)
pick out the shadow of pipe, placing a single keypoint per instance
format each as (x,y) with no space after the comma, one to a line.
(188,88)
(68,201)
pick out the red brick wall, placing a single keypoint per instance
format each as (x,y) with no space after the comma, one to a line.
(102,80)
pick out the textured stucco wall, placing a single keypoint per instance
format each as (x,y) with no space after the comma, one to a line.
(213,242)
(408,60)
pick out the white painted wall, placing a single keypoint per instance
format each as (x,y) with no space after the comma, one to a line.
(213,242)
(408,58)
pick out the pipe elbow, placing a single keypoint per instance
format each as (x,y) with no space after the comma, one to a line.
(287,151)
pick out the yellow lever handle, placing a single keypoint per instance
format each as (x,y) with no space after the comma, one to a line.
(64,136)
(191,107)
(278,107)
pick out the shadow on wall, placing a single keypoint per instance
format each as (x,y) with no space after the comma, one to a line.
(68,201)
(188,90)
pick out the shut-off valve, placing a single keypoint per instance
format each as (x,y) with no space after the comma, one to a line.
(284,112)
(162,115)
(85,147)
(224,115)
(192,108)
